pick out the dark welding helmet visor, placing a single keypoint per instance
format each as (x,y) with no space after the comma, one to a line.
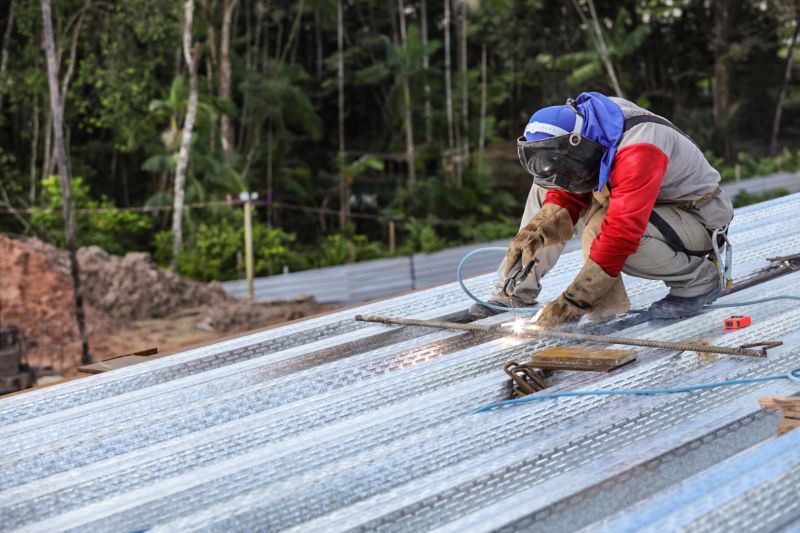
(564,160)
(570,162)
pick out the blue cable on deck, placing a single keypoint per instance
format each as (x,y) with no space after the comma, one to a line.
(793,375)
(501,308)
(460,277)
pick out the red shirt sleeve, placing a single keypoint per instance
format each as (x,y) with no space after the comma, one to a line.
(634,185)
(574,203)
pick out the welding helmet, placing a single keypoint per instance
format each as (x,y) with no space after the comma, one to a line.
(556,154)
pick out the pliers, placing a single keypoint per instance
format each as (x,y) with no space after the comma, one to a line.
(512,281)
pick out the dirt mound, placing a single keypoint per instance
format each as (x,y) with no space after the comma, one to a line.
(119,292)
(133,287)
(36,295)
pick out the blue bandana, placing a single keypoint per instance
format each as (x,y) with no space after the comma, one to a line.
(604,124)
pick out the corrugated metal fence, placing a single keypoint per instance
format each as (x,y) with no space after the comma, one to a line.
(368,280)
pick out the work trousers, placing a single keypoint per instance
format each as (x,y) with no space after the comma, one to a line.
(685,275)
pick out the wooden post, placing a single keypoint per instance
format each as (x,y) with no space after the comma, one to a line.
(248,239)
(392,241)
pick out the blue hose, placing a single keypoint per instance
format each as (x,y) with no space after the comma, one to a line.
(793,375)
(502,308)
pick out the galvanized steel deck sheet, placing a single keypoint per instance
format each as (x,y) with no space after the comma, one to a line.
(337,425)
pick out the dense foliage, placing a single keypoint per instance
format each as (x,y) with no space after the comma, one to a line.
(716,67)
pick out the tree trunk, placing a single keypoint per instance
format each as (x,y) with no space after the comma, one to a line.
(787,77)
(4,52)
(34,150)
(448,82)
(482,134)
(412,175)
(293,32)
(73,51)
(604,54)
(270,193)
(462,57)
(344,188)
(226,129)
(48,164)
(426,69)
(721,71)
(318,39)
(64,174)
(50,146)
(192,58)
(596,31)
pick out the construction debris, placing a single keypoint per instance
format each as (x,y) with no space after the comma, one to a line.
(789,407)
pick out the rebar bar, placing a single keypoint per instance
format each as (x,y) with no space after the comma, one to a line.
(581,337)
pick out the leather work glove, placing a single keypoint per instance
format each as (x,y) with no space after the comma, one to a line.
(587,290)
(551,225)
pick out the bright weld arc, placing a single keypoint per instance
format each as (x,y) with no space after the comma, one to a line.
(517,326)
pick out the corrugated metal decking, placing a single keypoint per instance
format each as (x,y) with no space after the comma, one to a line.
(338,425)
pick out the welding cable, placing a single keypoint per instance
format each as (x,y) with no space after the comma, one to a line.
(460,277)
(751,302)
(792,375)
(502,308)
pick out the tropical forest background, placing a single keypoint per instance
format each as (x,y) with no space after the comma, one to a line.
(357,128)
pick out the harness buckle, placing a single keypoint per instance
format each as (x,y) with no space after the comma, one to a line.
(721,244)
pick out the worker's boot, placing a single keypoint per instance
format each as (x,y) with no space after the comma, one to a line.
(671,307)
(479,311)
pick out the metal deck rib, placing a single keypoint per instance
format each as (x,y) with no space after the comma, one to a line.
(336,425)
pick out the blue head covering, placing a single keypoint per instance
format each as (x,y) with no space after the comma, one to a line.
(603,123)
(550,122)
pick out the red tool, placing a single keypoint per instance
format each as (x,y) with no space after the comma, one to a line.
(737,322)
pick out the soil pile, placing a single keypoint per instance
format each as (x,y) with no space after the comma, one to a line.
(132,287)
(119,292)
(36,295)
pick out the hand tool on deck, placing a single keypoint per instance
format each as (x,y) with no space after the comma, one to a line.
(737,322)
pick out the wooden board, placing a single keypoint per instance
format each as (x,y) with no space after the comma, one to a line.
(118,361)
(789,407)
(591,359)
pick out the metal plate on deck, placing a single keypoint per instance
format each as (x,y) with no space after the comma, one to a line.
(592,359)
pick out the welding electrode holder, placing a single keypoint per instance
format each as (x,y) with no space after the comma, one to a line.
(518,277)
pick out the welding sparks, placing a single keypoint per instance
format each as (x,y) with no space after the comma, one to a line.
(518,326)
(521,325)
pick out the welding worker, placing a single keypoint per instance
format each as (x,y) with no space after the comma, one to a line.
(638,191)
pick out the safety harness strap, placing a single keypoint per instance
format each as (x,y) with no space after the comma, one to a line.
(630,122)
(672,238)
